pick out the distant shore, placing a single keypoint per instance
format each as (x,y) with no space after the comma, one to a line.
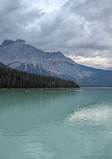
(34,88)
(95,87)
(47,88)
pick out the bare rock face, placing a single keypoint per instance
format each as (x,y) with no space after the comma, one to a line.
(21,56)
(7,42)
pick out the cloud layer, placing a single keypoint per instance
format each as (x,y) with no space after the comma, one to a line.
(82,29)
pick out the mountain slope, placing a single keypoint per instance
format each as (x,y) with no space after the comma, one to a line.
(21,56)
(10,78)
(2,65)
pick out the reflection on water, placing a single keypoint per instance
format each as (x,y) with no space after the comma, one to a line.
(56,124)
(95,113)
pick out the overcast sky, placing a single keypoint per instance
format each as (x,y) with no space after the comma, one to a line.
(81,29)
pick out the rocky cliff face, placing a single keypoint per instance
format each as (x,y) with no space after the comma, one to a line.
(21,56)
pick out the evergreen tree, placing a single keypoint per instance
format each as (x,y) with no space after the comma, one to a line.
(10,78)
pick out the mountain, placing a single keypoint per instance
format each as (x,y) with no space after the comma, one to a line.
(2,65)
(10,78)
(21,56)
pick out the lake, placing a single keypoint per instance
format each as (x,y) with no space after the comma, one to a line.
(56,124)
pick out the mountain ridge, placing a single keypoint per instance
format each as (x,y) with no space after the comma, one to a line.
(21,56)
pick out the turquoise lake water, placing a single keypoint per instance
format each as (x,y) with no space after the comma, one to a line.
(56,124)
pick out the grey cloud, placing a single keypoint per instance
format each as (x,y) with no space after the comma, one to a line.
(15,18)
(80,27)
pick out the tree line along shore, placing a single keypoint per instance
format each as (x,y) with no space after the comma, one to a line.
(10,78)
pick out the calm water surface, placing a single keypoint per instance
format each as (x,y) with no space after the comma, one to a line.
(56,124)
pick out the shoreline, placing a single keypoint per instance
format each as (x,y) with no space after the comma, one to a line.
(48,88)
(35,88)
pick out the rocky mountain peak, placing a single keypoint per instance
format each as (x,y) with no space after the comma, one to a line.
(8,42)
(20,41)
(59,54)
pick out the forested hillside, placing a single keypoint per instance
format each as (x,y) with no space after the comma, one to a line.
(10,78)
